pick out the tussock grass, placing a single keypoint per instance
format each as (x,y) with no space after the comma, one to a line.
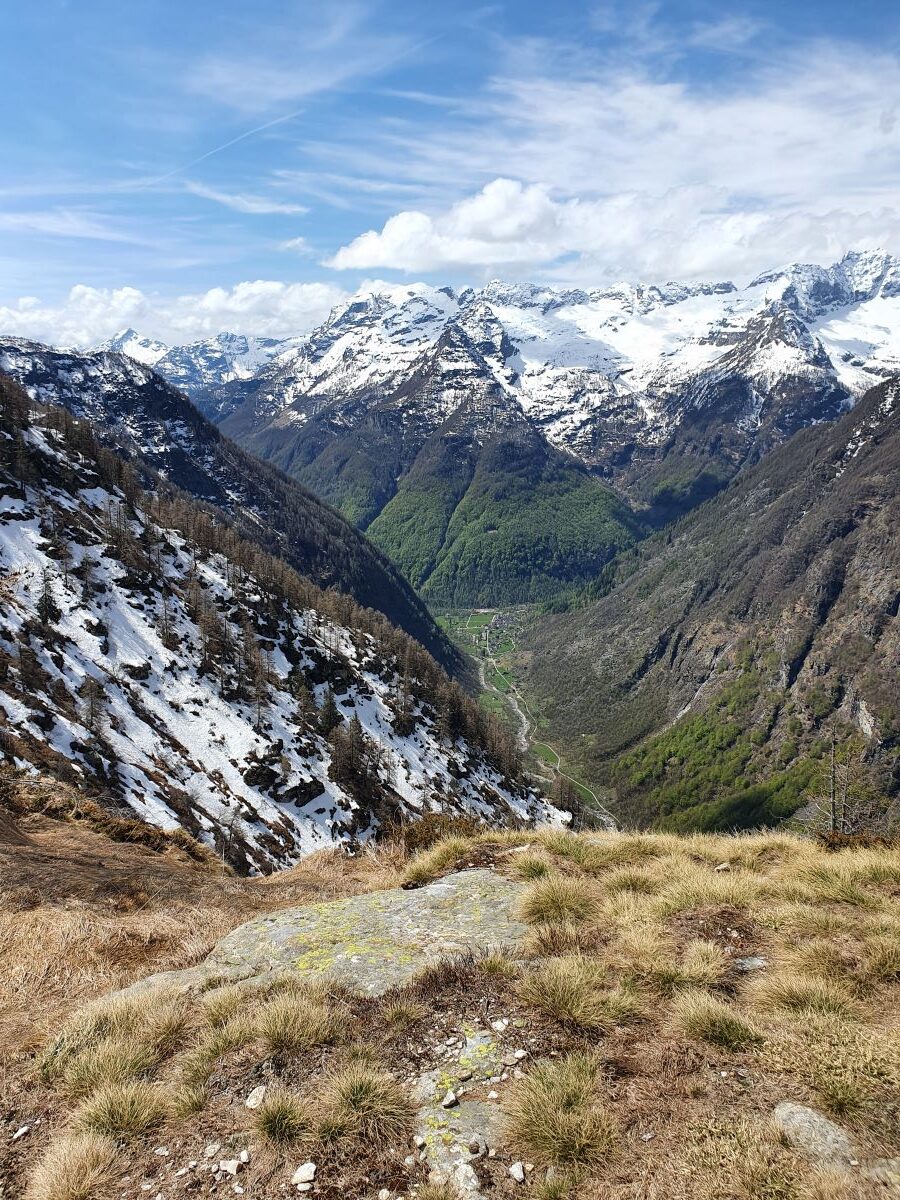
(560,937)
(401,1012)
(443,857)
(575,989)
(698,886)
(188,1099)
(111,1060)
(298,1020)
(738,1158)
(801,994)
(707,1018)
(880,958)
(559,898)
(198,1062)
(530,865)
(437,1191)
(121,1036)
(75,1167)
(360,1102)
(121,1110)
(218,1007)
(556,1114)
(284,1118)
(631,879)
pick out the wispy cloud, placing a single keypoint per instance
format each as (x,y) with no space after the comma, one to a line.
(244,203)
(65,223)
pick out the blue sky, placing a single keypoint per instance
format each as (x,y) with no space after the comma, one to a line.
(191,166)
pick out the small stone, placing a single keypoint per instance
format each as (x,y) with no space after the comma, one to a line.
(463,1075)
(162,1151)
(304,1187)
(517,1172)
(520,1054)
(305,1173)
(385,1194)
(724,866)
(244,1156)
(420,1141)
(256,1097)
(212,1149)
(647,1137)
(230,1166)
(409,1161)
(450,1100)
(753,962)
(499,1025)
(20,1132)
(493,1095)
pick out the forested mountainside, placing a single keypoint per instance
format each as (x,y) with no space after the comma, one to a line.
(141,416)
(705,678)
(174,668)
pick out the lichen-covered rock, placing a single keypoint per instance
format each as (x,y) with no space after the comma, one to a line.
(370,943)
(813,1135)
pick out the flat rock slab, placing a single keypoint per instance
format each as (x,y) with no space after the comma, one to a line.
(371,943)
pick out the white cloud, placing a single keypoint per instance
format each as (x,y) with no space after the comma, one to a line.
(601,170)
(243,203)
(88,314)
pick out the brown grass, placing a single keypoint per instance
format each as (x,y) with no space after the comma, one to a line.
(75,1167)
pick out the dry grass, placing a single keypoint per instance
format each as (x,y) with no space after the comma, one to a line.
(284,1118)
(76,1167)
(559,898)
(298,1020)
(804,994)
(576,990)
(556,1115)
(121,1110)
(707,1018)
(360,1102)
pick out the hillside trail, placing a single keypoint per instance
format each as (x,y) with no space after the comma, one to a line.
(528,723)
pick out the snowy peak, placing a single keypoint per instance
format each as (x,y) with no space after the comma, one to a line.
(142,349)
(812,291)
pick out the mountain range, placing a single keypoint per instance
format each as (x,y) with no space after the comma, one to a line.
(502,444)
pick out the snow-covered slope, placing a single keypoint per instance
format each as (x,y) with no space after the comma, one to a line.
(197,366)
(133,409)
(185,674)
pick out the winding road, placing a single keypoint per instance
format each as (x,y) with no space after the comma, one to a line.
(527,722)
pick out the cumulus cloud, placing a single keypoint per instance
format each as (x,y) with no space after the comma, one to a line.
(88,314)
(617,170)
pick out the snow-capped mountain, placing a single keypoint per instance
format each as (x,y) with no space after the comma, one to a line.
(153,424)
(197,366)
(203,684)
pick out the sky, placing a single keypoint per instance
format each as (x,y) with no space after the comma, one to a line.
(187,167)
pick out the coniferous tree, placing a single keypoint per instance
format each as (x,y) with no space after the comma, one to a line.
(329,715)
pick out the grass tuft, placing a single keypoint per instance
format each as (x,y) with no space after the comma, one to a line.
(121,1110)
(369,1104)
(706,1018)
(295,1021)
(284,1118)
(556,1114)
(572,989)
(800,994)
(76,1166)
(559,898)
